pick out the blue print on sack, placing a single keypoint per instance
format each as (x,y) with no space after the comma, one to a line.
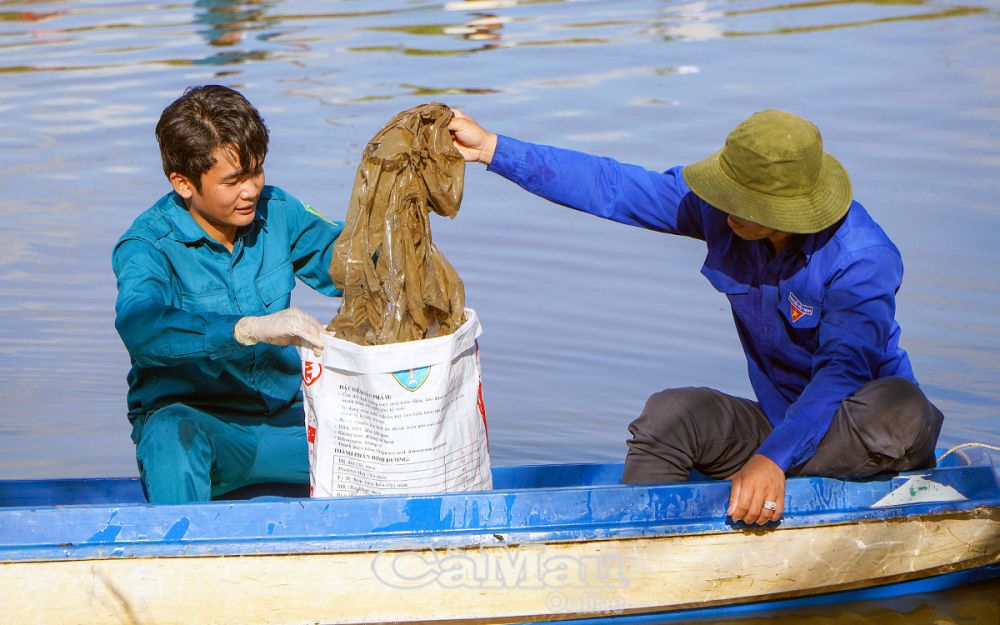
(412,379)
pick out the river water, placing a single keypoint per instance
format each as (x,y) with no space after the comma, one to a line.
(583,319)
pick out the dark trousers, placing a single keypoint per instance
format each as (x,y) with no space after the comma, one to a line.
(888,425)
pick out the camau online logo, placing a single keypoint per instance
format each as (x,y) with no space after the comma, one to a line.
(503,566)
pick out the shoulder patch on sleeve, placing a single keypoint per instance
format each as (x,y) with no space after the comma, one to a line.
(310,209)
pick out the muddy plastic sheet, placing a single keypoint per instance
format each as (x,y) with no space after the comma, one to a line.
(397,285)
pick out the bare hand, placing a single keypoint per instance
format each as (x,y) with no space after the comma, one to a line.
(474,142)
(760,480)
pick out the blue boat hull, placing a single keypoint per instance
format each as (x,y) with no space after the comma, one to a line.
(549,542)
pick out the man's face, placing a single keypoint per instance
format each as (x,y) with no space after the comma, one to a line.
(227,200)
(749,230)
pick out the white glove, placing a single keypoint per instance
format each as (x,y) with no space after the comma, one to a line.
(285,327)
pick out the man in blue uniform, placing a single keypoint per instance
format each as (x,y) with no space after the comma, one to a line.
(204,283)
(811,279)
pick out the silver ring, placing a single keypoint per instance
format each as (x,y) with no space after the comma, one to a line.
(771,505)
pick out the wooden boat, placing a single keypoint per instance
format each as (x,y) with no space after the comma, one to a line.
(551,542)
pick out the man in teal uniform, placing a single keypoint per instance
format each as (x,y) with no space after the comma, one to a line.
(204,283)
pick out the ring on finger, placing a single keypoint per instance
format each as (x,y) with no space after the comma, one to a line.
(771,505)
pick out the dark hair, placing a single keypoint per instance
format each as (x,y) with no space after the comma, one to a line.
(206,118)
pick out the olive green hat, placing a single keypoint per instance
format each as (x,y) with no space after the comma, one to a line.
(773,171)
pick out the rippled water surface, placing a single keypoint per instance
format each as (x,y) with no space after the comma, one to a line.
(583,319)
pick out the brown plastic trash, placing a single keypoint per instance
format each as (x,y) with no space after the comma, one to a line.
(397,285)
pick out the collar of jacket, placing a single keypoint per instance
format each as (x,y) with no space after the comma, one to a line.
(809,244)
(187,230)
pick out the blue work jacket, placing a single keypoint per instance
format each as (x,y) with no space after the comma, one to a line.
(180,294)
(817,320)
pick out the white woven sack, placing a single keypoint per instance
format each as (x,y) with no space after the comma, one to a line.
(399,418)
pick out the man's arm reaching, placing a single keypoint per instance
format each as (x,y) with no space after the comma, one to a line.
(600,186)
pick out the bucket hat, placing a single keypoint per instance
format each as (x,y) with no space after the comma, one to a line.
(773,171)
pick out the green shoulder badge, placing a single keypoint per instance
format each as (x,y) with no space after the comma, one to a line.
(310,209)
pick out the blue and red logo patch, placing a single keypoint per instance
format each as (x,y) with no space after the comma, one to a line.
(798,309)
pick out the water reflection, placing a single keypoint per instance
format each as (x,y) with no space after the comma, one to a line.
(482,27)
(227,21)
(690,21)
(417,90)
(228,24)
(410,51)
(489,5)
(790,30)
(704,20)
(595,79)
(977,604)
(29,16)
(479,27)
(814,4)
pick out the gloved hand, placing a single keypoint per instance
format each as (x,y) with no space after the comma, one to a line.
(285,327)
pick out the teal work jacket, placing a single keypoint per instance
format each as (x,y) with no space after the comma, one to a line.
(180,294)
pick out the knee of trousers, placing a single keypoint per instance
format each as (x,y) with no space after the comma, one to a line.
(171,433)
(671,412)
(896,418)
